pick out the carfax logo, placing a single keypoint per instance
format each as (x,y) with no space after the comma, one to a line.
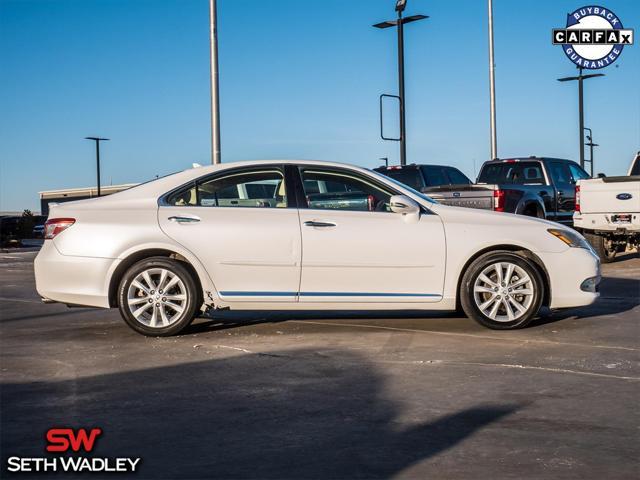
(65,440)
(593,38)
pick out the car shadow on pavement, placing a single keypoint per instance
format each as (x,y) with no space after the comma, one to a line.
(285,414)
(226,319)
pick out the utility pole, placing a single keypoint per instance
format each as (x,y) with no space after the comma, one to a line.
(581,78)
(97,140)
(400,22)
(215,91)
(591,145)
(492,88)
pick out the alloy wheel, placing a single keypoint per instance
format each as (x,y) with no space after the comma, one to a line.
(503,292)
(157,298)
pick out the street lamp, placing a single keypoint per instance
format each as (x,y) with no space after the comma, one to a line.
(97,140)
(580,78)
(591,145)
(215,91)
(492,88)
(400,22)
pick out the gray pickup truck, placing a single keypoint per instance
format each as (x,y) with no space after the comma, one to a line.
(533,186)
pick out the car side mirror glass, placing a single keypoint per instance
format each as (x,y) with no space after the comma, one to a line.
(403,204)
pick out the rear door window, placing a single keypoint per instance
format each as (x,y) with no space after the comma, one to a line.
(409,176)
(456,177)
(258,188)
(434,176)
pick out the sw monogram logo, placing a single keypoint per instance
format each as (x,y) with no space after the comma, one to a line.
(61,439)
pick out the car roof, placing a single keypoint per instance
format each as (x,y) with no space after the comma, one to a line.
(156,187)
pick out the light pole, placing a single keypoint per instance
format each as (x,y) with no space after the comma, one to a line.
(97,140)
(580,78)
(591,145)
(492,88)
(215,92)
(400,22)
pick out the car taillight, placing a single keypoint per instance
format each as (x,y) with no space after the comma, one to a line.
(55,226)
(578,198)
(498,200)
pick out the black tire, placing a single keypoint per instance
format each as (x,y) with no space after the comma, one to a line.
(533,212)
(190,306)
(468,298)
(604,248)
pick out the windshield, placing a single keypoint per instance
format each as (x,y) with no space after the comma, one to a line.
(407,187)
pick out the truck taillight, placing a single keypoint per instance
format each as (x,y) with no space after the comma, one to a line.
(498,200)
(55,226)
(578,198)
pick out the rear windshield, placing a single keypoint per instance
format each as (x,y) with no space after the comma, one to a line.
(512,172)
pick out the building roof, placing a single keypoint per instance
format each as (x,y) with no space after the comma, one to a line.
(85,191)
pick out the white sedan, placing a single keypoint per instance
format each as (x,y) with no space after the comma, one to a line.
(302,235)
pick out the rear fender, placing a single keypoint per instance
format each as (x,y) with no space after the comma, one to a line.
(210,293)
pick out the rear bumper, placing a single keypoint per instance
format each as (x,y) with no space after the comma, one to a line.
(72,280)
(567,273)
(602,222)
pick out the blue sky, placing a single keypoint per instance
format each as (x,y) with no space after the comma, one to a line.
(299,79)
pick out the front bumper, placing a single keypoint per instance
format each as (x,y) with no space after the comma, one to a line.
(568,271)
(70,279)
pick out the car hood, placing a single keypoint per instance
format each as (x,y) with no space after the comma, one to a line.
(483,217)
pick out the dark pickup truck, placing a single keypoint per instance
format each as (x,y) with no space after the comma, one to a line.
(533,186)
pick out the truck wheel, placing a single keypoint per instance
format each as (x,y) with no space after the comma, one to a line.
(158,297)
(605,249)
(501,290)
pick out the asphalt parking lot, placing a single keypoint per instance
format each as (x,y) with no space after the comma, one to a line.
(286,395)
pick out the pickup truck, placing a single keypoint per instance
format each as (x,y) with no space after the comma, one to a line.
(608,212)
(533,186)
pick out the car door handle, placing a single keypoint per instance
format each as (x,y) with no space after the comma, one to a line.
(180,219)
(319,224)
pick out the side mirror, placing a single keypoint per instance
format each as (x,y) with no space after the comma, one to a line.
(601,175)
(403,204)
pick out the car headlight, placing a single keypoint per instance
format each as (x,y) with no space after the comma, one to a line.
(571,238)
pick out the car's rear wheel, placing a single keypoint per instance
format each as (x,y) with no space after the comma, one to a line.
(502,290)
(158,297)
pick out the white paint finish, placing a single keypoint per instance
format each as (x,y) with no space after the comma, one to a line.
(599,202)
(598,196)
(372,252)
(74,280)
(242,249)
(567,271)
(262,249)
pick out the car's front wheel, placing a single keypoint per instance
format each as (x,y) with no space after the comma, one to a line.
(501,290)
(158,297)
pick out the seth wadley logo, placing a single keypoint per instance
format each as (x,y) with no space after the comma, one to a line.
(593,38)
(62,440)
